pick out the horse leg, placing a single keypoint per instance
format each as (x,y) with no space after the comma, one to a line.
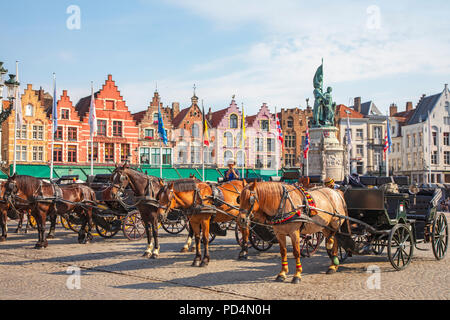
(155,253)
(3,222)
(198,256)
(188,243)
(283,252)
(205,228)
(295,238)
(19,226)
(51,233)
(148,250)
(245,231)
(41,217)
(82,238)
(332,250)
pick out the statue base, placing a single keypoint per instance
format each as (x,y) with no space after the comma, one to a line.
(326,154)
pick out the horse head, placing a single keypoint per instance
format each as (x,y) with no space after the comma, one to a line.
(248,203)
(119,181)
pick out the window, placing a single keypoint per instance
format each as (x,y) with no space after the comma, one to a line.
(447,157)
(65,114)
(95,151)
(446,139)
(110,104)
(29,110)
(145,155)
(270,162)
(240,159)
(182,152)
(155,117)
(72,154)
(407,141)
(227,156)
(101,128)
(155,156)
(124,151)
(434,157)
(259,144)
(377,160)
(195,130)
(434,139)
(233,121)
(109,152)
(38,153)
(420,140)
(57,153)
(359,167)
(414,140)
(167,156)
(22,133)
(59,133)
(21,153)
(289,141)
(228,139)
(290,122)
(117,128)
(264,125)
(270,145)
(359,134)
(38,132)
(72,134)
(259,161)
(289,160)
(393,130)
(360,150)
(195,154)
(377,132)
(149,133)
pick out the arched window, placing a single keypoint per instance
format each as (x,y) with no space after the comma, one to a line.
(195,130)
(227,156)
(290,122)
(228,139)
(29,110)
(233,121)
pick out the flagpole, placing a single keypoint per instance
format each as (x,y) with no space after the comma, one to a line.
(53,126)
(429,143)
(307,153)
(92,131)
(203,143)
(243,142)
(277,151)
(387,151)
(15,120)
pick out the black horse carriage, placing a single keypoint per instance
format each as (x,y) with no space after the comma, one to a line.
(398,221)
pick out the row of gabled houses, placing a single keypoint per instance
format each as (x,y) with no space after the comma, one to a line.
(122,135)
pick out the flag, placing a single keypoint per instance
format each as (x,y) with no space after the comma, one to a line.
(92,115)
(161,131)
(280,133)
(348,136)
(55,109)
(387,140)
(306,149)
(205,128)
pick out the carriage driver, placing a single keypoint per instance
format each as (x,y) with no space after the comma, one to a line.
(231,173)
(329,182)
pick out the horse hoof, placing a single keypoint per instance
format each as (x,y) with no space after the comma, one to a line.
(196,263)
(146,255)
(192,249)
(50,236)
(280,278)
(184,250)
(2,239)
(154,256)
(38,246)
(244,257)
(45,244)
(204,264)
(331,271)
(296,280)
(18,230)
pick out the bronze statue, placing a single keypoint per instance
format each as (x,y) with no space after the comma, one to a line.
(324,107)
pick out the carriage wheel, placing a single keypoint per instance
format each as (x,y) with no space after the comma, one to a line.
(258,243)
(440,236)
(133,227)
(174,226)
(378,246)
(309,244)
(113,230)
(400,246)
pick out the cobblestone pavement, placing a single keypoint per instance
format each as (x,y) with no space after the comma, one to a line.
(114,269)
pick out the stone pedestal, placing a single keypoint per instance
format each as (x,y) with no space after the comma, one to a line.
(326,154)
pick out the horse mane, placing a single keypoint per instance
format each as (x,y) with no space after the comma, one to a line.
(28,184)
(270,194)
(184,185)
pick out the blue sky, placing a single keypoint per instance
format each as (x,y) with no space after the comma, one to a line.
(261,51)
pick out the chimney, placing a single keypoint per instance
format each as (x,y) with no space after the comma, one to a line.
(209,115)
(446,87)
(41,94)
(392,109)
(357,104)
(409,106)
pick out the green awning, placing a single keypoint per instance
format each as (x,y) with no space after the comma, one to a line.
(37,171)
(60,172)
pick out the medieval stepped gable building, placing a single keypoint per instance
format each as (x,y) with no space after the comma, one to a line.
(188,128)
(117,138)
(149,140)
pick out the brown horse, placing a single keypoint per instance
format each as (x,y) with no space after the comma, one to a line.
(287,207)
(199,200)
(146,189)
(46,199)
